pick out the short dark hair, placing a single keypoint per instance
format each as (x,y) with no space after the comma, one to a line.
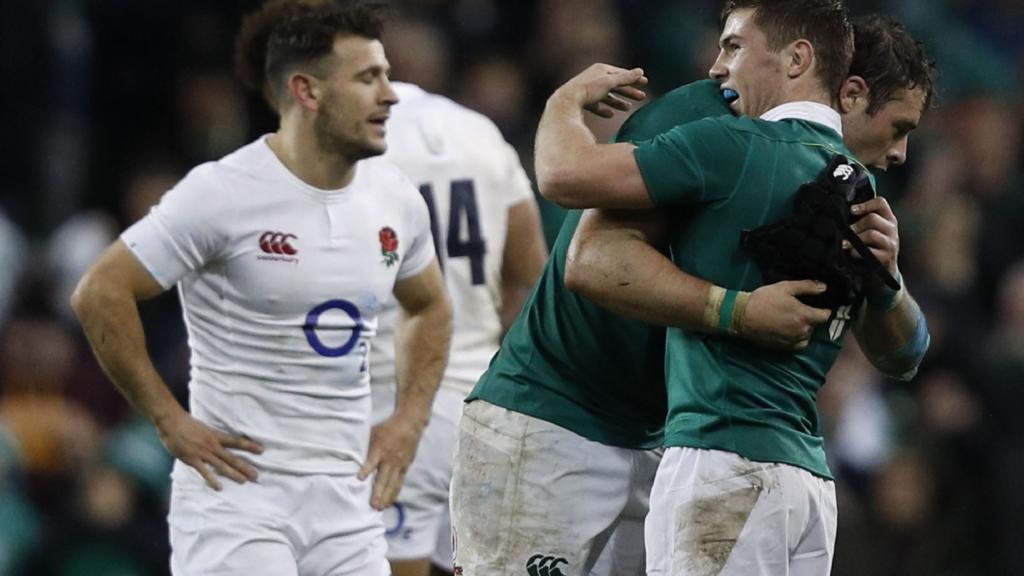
(283,34)
(825,23)
(890,59)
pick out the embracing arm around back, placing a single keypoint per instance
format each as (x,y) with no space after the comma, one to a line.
(893,333)
(615,260)
(106,304)
(573,170)
(421,353)
(891,328)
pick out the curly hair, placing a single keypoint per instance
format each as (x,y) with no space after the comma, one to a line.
(284,34)
(890,59)
(825,23)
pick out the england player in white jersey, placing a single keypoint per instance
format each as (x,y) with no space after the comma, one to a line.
(489,241)
(283,252)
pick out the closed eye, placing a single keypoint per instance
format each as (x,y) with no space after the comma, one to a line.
(729,43)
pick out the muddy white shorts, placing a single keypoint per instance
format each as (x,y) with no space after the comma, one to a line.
(417,525)
(285,525)
(717,513)
(532,498)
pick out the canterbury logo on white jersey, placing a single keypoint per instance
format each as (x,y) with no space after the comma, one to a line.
(277,243)
(277,246)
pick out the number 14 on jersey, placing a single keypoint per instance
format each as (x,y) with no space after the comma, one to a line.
(462,215)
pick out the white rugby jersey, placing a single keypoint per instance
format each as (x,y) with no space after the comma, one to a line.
(281,284)
(469,176)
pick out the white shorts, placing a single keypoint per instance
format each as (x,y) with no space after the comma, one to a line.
(285,525)
(530,497)
(418,525)
(715,512)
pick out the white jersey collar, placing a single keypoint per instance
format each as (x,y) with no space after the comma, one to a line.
(279,167)
(810,111)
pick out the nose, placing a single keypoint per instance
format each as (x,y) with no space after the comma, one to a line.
(388,94)
(718,70)
(897,155)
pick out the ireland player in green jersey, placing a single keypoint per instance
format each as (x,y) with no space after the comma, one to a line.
(578,390)
(745,455)
(595,377)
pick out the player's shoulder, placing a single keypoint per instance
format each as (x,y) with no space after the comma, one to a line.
(682,105)
(695,91)
(203,193)
(713,126)
(416,102)
(384,188)
(235,170)
(381,176)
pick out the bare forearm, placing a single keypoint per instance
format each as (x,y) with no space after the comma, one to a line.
(110,319)
(574,171)
(625,274)
(422,356)
(523,259)
(562,139)
(895,339)
(512,300)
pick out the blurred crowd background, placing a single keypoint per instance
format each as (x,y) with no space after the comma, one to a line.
(107,103)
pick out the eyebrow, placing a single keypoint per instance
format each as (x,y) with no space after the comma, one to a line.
(727,38)
(373,69)
(905,125)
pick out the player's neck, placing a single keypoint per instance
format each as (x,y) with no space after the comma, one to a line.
(807,90)
(299,151)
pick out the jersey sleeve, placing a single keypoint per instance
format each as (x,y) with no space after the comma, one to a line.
(421,244)
(178,235)
(519,188)
(691,163)
(636,128)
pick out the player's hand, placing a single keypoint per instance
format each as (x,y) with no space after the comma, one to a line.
(777,319)
(206,449)
(392,447)
(878,230)
(603,89)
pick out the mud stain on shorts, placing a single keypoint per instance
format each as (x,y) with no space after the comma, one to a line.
(707,529)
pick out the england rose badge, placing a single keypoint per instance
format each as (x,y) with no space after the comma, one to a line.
(389,245)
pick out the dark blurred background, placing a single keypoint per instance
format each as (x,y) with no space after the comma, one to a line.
(108,102)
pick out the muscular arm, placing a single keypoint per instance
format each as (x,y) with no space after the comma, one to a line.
(421,353)
(614,261)
(422,342)
(573,170)
(106,304)
(523,259)
(894,340)
(891,330)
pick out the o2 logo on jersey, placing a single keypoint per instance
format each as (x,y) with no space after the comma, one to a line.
(463,209)
(313,322)
(394,523)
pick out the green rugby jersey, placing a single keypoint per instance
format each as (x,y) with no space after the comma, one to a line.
(569,361)
(733,174)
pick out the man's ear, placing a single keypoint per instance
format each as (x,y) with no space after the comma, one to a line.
(853,93)
(800,58)
(305,90)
